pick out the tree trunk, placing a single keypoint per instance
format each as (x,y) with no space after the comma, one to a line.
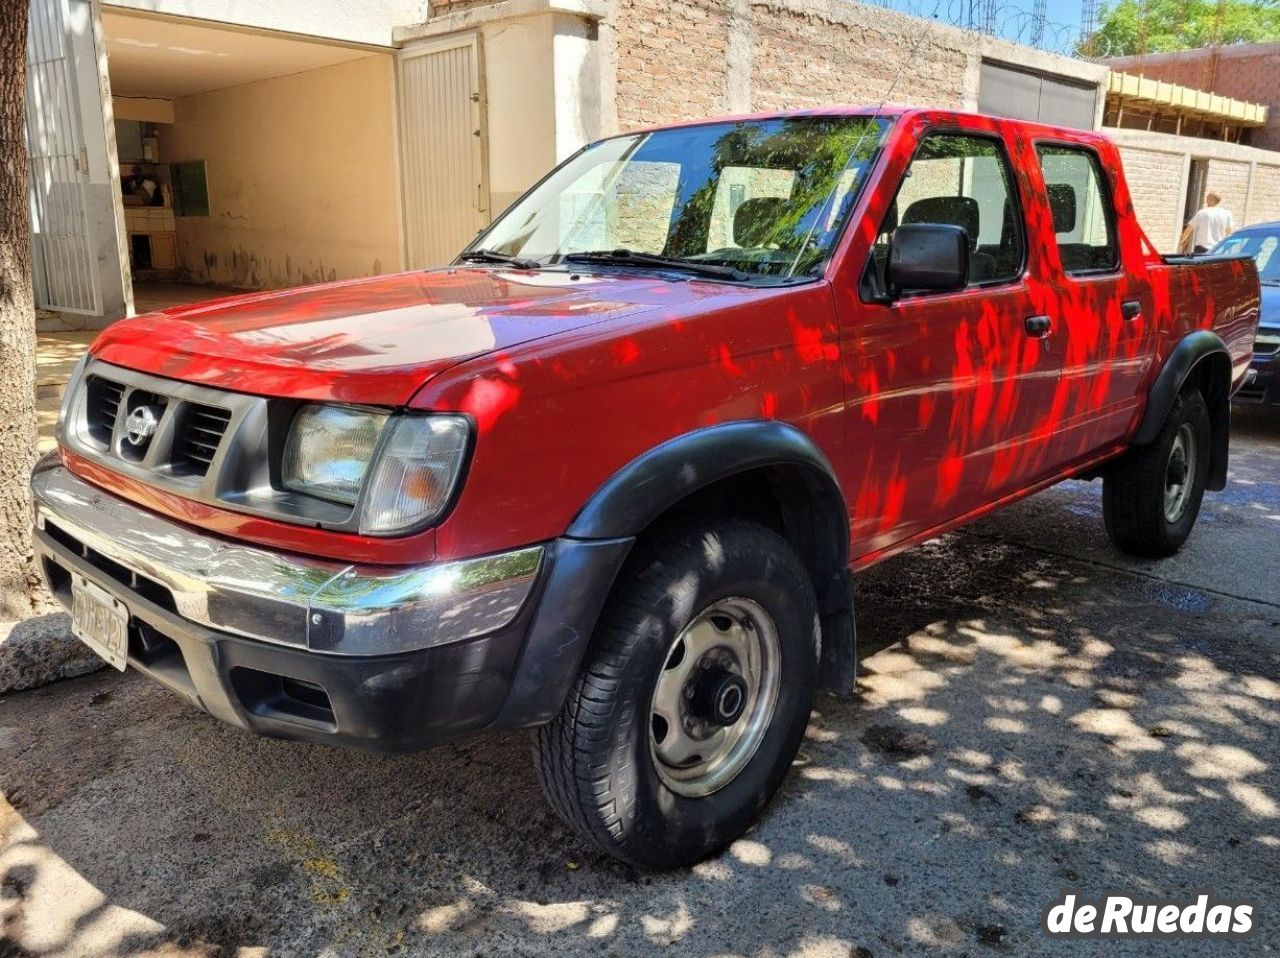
(18,581)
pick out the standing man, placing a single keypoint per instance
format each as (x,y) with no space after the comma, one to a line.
(1209,227)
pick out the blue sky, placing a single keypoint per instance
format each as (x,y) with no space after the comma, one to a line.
(1062,17)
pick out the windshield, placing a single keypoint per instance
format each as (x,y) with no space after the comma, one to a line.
(1262,247)
(764,197)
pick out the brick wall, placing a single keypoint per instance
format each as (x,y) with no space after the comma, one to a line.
(849,54)
(688,58)
(1154,180)
(1246,72)
(672,60)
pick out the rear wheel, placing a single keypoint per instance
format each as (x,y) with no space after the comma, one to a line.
(1151,497)
(693,698)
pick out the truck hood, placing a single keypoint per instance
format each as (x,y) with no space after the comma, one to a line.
(374,340)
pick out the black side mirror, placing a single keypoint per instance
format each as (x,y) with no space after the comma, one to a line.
(927,256)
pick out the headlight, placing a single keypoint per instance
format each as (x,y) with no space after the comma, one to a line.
(400,470)
(329,450)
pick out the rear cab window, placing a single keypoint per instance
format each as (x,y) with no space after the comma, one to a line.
(964,180)
(1079,196)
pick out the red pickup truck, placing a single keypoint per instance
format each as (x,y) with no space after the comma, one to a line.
(608,475)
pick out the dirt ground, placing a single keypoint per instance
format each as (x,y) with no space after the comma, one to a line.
(1035,713)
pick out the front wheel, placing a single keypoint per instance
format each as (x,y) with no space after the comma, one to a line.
(1151,497)
(693,698)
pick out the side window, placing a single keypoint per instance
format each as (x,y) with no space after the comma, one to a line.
(964,181)
(1083,221)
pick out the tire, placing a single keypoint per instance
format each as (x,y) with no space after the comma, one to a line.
(599,761)
(1141,518)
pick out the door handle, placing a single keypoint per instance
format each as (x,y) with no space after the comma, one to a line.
(1130,309)
(1039,326)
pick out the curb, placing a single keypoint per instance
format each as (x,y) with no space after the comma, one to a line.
(40,650)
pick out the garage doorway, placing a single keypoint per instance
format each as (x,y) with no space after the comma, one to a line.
(249,159)
(1197,179)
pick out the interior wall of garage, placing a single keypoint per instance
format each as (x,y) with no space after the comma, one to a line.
(302,177)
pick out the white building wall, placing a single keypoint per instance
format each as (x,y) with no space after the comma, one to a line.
(367,21)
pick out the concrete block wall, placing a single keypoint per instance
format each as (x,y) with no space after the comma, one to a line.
(1230,180)
(1264,196)
(1155,179)
(1155,166)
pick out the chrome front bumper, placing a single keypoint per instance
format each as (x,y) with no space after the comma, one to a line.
(284,599)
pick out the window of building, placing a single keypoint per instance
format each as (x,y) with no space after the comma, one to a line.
(190,188)
(961,180)
(1083,221)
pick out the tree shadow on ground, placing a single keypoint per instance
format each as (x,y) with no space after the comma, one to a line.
(1024,722)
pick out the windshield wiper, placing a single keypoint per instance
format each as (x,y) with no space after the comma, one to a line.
(493,256)
(628,257)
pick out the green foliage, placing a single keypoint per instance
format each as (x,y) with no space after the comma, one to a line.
(1130,27)
(818,149)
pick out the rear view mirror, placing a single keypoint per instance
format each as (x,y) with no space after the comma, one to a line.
(927,256)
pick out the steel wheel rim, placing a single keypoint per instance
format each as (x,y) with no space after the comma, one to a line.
(1179,476)
(695,756)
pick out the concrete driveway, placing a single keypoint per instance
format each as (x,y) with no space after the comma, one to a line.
(1035,713)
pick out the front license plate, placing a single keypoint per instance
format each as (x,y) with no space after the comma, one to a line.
(100,621)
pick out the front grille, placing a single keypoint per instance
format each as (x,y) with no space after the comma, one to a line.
(1265,345)
(213,446)
(198,438)
(105,399)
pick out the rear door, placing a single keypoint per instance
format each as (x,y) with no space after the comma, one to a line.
(1103,326)
(950,393)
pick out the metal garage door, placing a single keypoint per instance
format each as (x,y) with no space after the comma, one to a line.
(442,143)
(1026,95)
(61,260)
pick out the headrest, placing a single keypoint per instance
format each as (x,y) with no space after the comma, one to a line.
(961,211)
(1062,203)
(755,220)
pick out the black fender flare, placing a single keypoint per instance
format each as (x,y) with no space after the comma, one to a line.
(1193,349)
(649,485)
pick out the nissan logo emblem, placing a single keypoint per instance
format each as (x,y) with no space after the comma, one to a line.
(141,425)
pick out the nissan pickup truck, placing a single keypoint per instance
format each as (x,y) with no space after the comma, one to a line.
(608,476)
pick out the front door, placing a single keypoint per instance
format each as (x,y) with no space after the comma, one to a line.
(949,393)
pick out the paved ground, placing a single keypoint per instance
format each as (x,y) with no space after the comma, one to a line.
(1035,714)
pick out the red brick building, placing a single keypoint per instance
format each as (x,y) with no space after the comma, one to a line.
(1247,71)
